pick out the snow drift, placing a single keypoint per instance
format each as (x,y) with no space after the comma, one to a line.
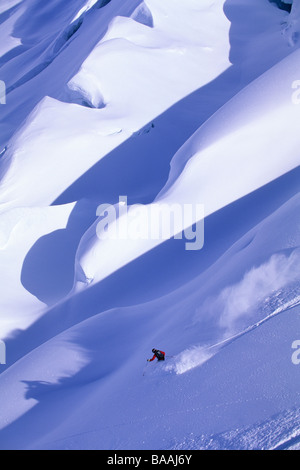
(164,103)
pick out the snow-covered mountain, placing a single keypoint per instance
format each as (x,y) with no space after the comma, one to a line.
(151,105)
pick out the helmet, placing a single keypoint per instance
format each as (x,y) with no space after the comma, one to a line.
(153,350)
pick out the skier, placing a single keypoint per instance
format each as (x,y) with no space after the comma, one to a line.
(160,355)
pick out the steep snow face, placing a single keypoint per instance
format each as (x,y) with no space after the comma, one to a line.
(225,347)
(102,96)
(159,65)
(20,230)
(231,155)
(49,34)
(250,125)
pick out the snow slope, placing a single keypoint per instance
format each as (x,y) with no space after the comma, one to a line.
(224,159)
(162,102)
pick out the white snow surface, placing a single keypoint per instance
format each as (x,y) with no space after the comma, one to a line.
(164,102)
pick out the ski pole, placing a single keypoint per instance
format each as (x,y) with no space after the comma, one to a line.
(145,368)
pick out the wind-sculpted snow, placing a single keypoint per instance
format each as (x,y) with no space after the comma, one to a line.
(131,108)
(144,57)
(143,15)
(292,27)
(221,163)
(20,230)
(51,46)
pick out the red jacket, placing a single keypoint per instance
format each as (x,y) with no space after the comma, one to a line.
(154,356)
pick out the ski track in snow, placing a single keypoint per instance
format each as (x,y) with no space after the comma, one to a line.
(274,434)
(207,352)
